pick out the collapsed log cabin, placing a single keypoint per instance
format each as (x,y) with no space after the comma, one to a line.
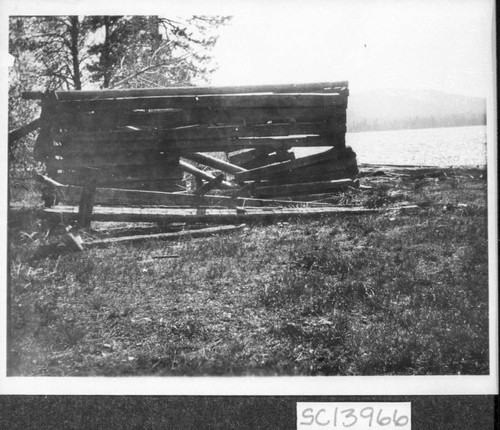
(152,139)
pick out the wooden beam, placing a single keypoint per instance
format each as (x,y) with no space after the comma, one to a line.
(87,198)
(23,131)
(117,173)
(216,163)
(193,170)
(200,132)
(122,158)
(202,232)
(210,215)
(183,147)
(150,92)
(113,120)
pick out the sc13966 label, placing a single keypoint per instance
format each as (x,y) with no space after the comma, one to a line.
(354,415)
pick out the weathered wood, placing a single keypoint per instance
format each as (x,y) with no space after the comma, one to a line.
(151,92)
(265,160)
(70,195)
(114,120)
(193,215)
(23,131)
(249,116)
(287,166)
(199,132)
(124,158)
(88,197)
(210,185)
(193,170)
(207,102)
(183,147)
(216,163)
(304,188)
(202,232)
(47,181)
(183,117)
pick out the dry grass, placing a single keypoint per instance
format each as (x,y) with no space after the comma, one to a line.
(388,293)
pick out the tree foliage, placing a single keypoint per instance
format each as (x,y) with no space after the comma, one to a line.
(78,52)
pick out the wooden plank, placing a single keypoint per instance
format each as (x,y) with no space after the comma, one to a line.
(23,131)
(156,171)
(215,163)
(198,132)
(206,102)
(87,197)
(249,116)
(304,188)
(70,195)
(193,215)
(202,232)
(124,158)
(113,120)
(265,160)
(287,166)
(183,147)
(168,185)
(334,86)
(193,170)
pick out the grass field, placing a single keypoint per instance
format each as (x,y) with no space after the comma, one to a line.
(394,292)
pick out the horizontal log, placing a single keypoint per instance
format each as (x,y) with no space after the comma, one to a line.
(23,131)
(118,174)
(193,215)
(249,116)
(172,185)
(126,158)
(205,102)
(70,195)
(304,188)
(202,232)
(216,163)
(209,145)
(151,92)
(287,166)
(199,132)
(193,170)
(112,120)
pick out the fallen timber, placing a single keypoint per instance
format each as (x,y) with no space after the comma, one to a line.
(200,215)
(70,195)
(202,232)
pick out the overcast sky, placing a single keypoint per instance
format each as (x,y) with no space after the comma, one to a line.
(440,44)
(411,44)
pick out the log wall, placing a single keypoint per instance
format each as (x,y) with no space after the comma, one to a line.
(136,138)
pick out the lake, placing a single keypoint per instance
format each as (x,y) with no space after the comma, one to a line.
(453,146)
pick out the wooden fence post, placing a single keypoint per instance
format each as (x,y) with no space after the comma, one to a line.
(87,199)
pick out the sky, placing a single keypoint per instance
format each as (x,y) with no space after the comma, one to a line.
(443,45)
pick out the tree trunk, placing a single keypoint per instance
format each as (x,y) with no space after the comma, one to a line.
(107,52)
(75,31)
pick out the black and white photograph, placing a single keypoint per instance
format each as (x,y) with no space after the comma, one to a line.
(283,192)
